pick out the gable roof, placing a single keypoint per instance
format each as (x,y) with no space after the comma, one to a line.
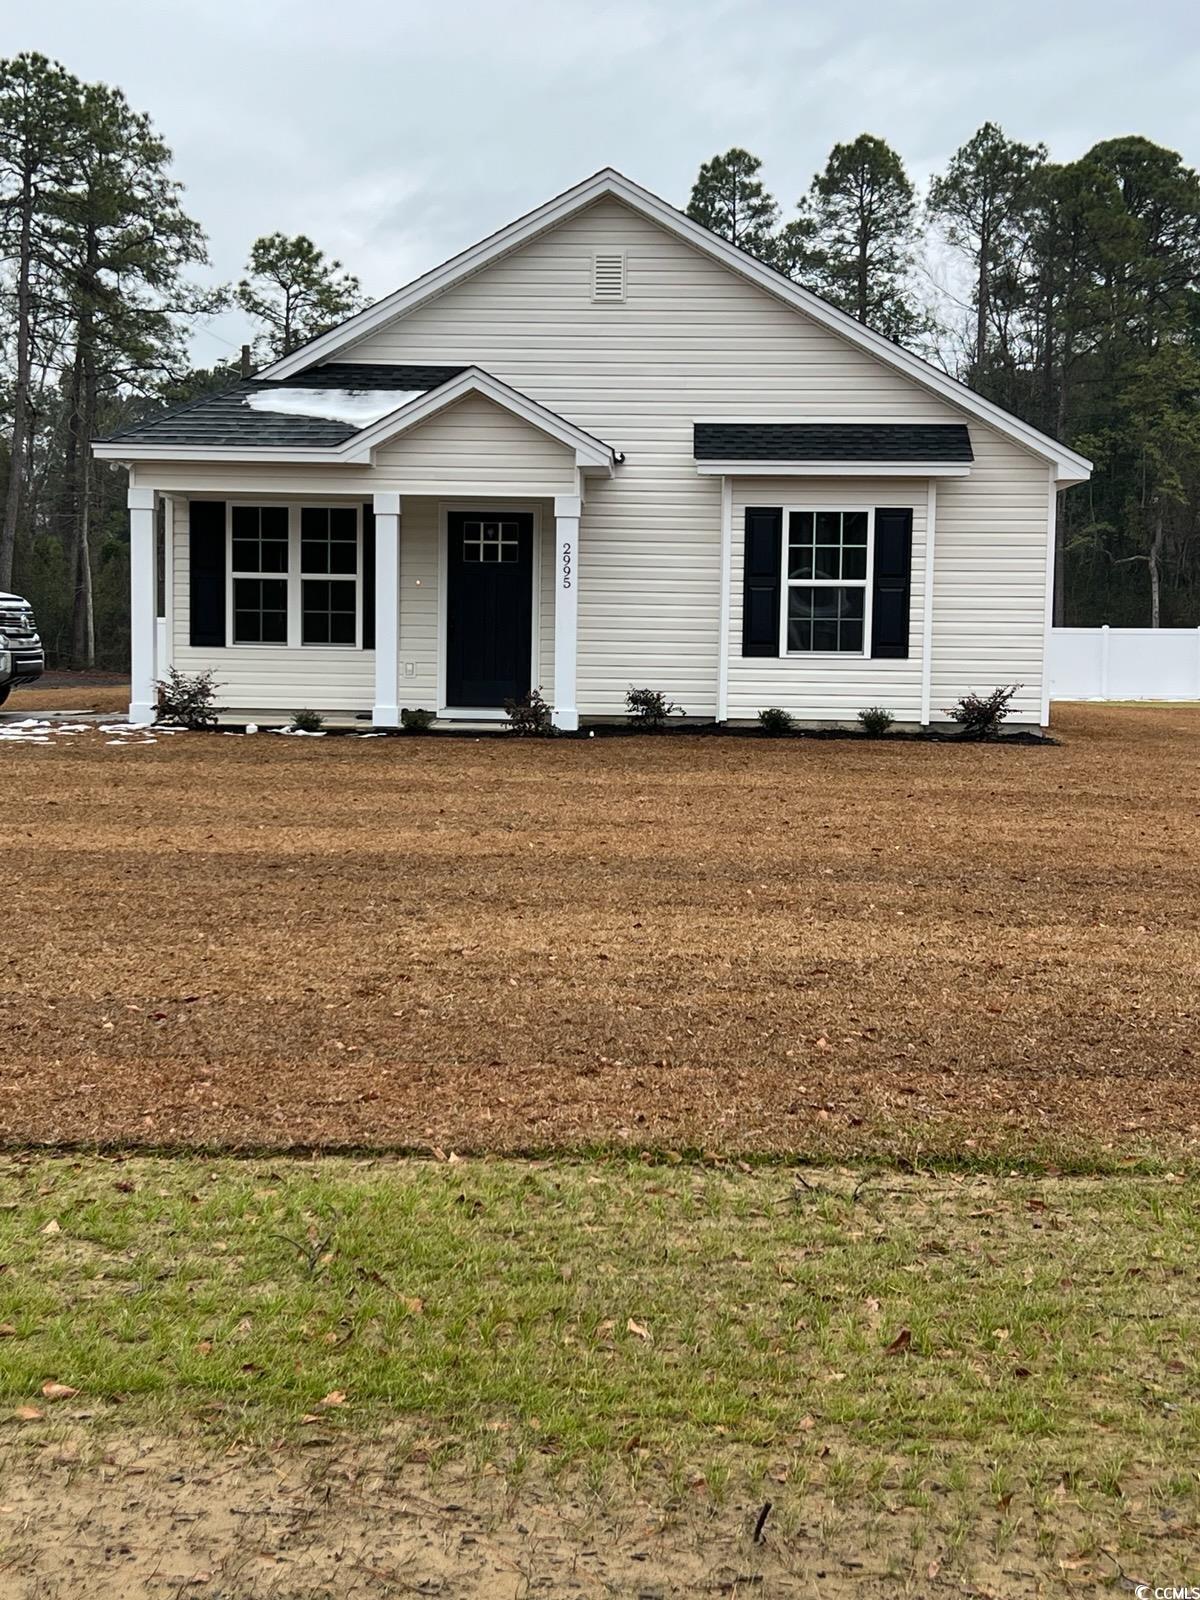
(318,416)
(1069,465)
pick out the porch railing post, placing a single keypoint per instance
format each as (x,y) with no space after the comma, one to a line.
(567,510)
(386,710)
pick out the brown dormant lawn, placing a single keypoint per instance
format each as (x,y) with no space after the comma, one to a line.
(744,947)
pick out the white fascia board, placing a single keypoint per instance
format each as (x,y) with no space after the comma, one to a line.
(125,450)
(589,451)
(609,182)
(833,469)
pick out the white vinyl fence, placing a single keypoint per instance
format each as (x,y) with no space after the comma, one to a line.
(1124,664)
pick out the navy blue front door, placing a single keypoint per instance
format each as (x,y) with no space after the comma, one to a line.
(489,607)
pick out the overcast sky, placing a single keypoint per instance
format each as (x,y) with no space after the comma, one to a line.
(396,134)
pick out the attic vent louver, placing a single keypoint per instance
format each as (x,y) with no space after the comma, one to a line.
(608,275)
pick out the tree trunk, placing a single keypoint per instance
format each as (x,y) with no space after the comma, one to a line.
(83,626)
(19,459)
(1153,561)
(982,298)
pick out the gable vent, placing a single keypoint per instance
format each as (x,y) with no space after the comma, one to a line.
(608,275)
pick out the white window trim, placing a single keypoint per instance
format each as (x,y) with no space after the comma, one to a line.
(867,584)
(293,577)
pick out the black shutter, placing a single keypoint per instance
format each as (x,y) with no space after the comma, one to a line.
(206,565)
(893,582)
(368,577)
(761,581)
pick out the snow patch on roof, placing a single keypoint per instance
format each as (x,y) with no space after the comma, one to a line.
(358,406)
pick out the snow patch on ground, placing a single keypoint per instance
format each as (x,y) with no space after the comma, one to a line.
(33,731)
(359,406)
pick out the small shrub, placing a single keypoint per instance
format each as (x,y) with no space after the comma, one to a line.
(417,719)
(530,718)
(980,716)
(875,721)
(307,722)
(775,721)
(187,699)
(650,708)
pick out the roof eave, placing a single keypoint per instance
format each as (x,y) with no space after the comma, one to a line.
(610,182)
(129,450)
(833,469)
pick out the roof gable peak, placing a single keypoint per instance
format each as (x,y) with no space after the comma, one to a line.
(1068,464)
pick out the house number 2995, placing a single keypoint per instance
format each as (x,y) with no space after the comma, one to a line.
(567,557)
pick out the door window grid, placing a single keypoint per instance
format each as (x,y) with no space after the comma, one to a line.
(491,540)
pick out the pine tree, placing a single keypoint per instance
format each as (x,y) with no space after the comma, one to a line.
(294,292)
(38,104)
(729,199)
(982,201)
(121,244)
(854,240)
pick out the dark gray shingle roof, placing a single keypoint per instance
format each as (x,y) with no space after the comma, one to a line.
(226,420)
(833,441)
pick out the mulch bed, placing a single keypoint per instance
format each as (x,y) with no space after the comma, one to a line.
(832,949)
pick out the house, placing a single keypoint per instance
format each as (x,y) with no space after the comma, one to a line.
(600,448)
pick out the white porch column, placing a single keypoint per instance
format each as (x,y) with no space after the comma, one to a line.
(567,509)
(143,605)
(386,712)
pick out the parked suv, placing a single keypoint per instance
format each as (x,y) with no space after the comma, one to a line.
(21,659)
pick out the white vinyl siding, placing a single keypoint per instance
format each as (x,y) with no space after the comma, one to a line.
(263,677)
(827,688)
(477,447)
(989,579)
(692,340)
(278,678)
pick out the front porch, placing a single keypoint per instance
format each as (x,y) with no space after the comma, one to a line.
(356,607)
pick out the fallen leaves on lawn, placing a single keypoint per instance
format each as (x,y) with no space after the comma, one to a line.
(900,1344)
(459,1068)
(58,1391)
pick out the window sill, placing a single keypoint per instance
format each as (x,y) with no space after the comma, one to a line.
(826,655)
(260,644)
